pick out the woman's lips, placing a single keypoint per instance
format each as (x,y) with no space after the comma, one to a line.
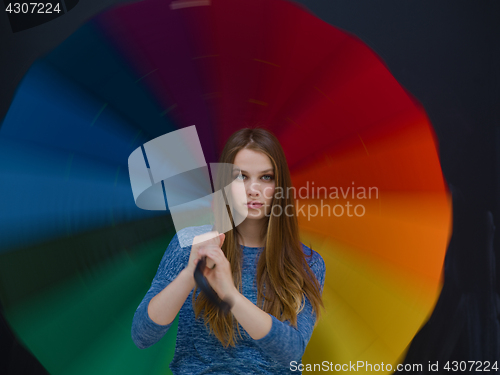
(254,205)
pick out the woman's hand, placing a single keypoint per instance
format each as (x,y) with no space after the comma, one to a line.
(219,277)
(210,239)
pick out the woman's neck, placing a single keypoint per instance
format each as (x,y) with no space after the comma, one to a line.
(250,233)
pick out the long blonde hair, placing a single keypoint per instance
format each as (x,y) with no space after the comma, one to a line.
(282,269)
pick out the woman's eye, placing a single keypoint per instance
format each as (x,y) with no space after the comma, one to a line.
(239,177)
(267,177)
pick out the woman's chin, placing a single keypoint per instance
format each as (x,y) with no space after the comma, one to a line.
(249,216)
(259,214)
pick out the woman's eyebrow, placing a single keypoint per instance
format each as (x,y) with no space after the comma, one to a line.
(241,170)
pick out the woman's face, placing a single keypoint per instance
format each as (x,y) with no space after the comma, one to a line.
(255,170)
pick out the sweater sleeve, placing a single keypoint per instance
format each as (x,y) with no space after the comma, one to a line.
(145,332)
(285,343)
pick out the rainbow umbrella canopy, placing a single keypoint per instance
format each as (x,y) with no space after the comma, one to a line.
(77,255)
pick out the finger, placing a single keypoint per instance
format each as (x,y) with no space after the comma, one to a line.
(210,263)
(218,240)
(206,271)
(204,251)
(215,258)
(214,251)
(209,275)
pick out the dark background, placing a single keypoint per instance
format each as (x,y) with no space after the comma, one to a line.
(447,54)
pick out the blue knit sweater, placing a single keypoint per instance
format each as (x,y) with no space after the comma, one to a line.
(198,352)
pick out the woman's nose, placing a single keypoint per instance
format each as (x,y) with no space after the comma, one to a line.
(254,189)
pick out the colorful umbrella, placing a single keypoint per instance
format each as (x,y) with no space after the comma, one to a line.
(77,255)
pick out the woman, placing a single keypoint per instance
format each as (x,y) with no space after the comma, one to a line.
(272,281)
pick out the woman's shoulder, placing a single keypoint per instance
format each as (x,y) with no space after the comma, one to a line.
(312,256)
(315,262)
